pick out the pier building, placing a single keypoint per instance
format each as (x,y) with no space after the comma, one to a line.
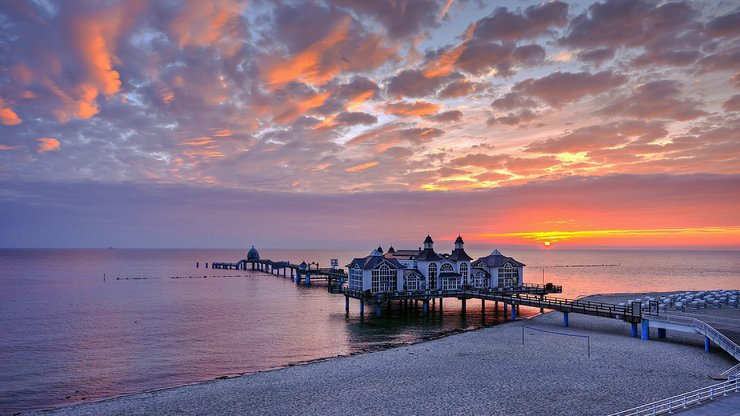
(425,269)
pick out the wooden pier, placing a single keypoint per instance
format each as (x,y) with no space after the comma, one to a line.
(304,272)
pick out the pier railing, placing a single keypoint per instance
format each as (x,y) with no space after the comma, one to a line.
(704,328)
(682,401)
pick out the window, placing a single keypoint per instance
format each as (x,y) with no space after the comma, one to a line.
(464,272)
(412,282)
(432,276)
(480,279)
(508,275)
(355,278)
(446,268)
(450,283)
(384,279)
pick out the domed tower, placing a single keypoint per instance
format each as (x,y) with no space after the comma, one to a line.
(428,243)
(253,255)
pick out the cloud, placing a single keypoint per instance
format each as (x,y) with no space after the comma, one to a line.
(401,18)
(361,167)
(451,116)
(598,137)
(513,119)
(47,144)
(322,42)
(210,23)
(597,55)
(733,104)
(536,20)
(491,162)
(413,83)
(407,109)
(8,117)
(634,23)
(512,101)
(561,88)
(656,100)
(460,88)
(726,60)
(725,26)
(354,118)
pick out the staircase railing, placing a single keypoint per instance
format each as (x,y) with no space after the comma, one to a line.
(682,401)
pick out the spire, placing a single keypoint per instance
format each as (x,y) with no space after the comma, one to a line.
(428,243)
(459,242)
(391,250)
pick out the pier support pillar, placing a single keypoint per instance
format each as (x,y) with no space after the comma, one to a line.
(506,310)
(707,344)
(634,329)
(483,305)
(440,305)
(298,278)
(464,301)
(645,333)
(291,274)
(346,304)
(308,279)
(378,310)
(362,308)
(565,319)
(661,332)
(426,307)
(513,313)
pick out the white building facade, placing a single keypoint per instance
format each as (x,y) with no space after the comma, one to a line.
(424,269)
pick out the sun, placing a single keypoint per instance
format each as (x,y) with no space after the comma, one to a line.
(547,244)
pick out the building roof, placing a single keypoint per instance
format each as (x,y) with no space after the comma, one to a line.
(391,250)
(428,240)
(496,259)
(371,262)
(459,254)
(428,254)
(402,254)
(459,240)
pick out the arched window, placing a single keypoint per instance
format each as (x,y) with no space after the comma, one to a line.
(384,279)
(464,272)
(432,276)
(446,268)
(480,279)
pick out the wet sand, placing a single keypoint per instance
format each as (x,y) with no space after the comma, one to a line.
(489,371)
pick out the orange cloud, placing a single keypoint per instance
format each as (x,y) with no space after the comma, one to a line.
(307,65)
(204,23)
(293,109)
(199,141)
(94,40)
(405,109)
(358,99)
(6,147)
(446,63)
(47,144)
(362,167)
(8,116)
(224,133)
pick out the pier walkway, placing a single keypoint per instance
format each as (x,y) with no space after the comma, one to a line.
(304,272)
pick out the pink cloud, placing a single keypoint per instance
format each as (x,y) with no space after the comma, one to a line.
(47,144)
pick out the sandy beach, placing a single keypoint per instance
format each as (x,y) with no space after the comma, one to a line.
(487,371)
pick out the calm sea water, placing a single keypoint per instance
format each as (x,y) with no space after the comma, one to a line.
(67,335)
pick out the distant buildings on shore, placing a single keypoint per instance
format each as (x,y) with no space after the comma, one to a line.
(423,268)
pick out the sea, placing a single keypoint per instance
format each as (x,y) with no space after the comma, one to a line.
(80,325)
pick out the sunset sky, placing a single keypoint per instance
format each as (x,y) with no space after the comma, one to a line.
(352,123)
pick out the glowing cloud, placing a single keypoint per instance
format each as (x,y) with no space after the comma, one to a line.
(361,167)
(634,236)
(307,65)
(47,144)
(406,109)
(8,116)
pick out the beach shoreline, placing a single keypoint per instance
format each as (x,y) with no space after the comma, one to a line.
(605,333)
